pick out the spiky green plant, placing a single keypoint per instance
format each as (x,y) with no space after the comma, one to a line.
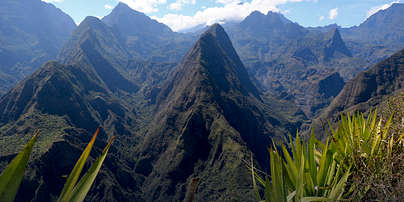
(315,171)
(308,173)
(11,177)
(367,145)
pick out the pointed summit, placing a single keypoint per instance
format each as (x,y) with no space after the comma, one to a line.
(94,34)
(131,22)
(215,45)
(145,37)
(214,54)
(91,22)
(208,113)
(122,7)
(98,47)
(335,45)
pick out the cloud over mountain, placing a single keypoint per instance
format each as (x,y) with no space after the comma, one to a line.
(231,10)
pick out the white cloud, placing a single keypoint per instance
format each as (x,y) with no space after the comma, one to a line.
(321,18)
(146,6)
(231,10)
(107,6)
(333,13)
(227,1)
(375,9)
(52,1)
(178,4)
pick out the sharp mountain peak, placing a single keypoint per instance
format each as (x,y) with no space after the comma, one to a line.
(335,44)
(215,45)
(129,20)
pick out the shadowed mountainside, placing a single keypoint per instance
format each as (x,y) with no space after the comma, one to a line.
(31,33)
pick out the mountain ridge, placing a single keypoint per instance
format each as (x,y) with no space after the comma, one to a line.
(202,111)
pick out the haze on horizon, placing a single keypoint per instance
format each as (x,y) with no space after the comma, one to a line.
(182,15)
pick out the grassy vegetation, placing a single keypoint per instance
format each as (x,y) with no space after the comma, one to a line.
(359,161)
(75,189)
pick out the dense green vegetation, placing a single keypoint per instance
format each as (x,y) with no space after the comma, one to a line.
(357,162)
(12,176)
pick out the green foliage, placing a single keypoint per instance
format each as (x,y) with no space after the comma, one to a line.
(360,148)
(12,176)
(73,192)
(81,189)
(309,172)
(368,146)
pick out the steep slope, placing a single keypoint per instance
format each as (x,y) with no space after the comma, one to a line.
(380,36)
(68,102)
(31,33)
(209,119)
(147,38)
(335,45)
(370,87)
(93,43)
(385,26)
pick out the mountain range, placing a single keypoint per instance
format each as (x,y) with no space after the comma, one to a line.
(208,111)
(182,106)
(31,33)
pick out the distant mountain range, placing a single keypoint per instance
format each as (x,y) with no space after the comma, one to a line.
(146,38)
(182,106)
(31,33)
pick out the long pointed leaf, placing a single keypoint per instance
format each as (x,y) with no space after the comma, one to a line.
(257,193)
(75,174)
(11,177)
(84,185)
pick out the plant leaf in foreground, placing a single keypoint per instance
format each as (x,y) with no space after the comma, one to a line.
(11,177)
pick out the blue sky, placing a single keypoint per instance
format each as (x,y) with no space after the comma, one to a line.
(185,14)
